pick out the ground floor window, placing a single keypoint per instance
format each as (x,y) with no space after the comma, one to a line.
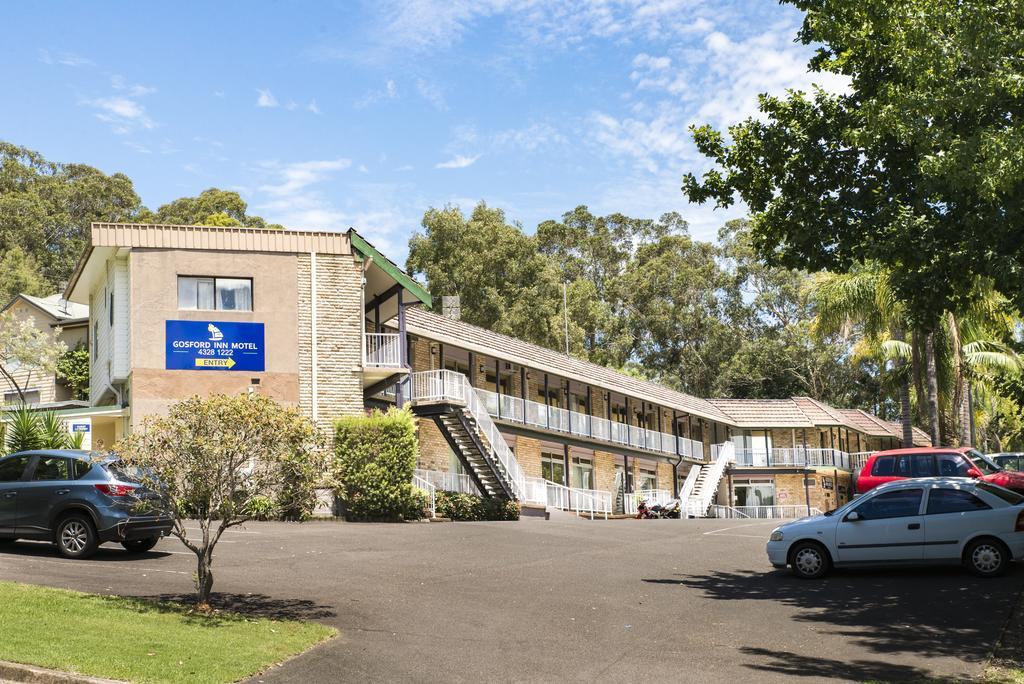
(552,467)
(623,479)
(582,473)
(754,493)
(648,478)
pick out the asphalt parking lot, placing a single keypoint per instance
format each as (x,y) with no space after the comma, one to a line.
(560,600)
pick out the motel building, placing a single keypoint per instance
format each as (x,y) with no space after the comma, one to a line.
(324,321)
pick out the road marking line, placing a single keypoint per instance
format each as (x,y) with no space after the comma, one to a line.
(74,563)
(736,527)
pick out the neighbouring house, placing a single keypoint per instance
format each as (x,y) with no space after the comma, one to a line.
(324,321)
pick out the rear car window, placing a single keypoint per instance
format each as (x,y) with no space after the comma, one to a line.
(1012,498)
(11,469)
(954,501)
(125,472)
(79,468)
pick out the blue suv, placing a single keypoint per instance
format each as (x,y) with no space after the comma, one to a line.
(77,500)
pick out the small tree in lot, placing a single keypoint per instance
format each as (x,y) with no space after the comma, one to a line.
(223,460)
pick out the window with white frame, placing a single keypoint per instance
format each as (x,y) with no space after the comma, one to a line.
(552,467)
(648,478)
(206,293)
(582,473)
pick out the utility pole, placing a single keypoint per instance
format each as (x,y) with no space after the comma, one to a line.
(565,312)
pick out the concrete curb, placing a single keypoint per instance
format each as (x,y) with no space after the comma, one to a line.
(16,672)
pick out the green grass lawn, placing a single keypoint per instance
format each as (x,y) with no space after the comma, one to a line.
(139,641)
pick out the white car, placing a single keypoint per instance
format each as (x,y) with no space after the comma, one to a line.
(927,520)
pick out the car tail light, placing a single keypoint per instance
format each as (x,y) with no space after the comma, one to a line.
(116,489)
(1019,527)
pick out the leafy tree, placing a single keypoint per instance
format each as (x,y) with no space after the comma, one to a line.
(218,459)
(53,433)
(19,273)
(46,209)
(212,207)
(73,369)
(914,167)
(26,350)
(504,283)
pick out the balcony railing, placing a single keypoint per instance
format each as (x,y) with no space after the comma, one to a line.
(383,350)
(517,410)
(798,456)
(449,482)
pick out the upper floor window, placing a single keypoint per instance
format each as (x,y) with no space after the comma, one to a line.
(221,294)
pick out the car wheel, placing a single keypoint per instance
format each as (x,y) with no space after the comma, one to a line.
(986,557)
(140,545)
(809,560)
(76,537)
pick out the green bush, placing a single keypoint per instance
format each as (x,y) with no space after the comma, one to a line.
(375,457)
(459,506)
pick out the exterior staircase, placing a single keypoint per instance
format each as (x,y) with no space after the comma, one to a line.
(703,485)
(447,398)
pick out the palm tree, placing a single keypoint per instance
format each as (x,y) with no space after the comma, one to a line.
(943,360)
(864,298)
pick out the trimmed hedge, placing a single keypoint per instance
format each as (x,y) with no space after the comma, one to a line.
(375,456)
(459,506)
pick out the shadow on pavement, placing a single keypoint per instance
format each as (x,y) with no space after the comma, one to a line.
(256,605)
(939,612)
(107,552)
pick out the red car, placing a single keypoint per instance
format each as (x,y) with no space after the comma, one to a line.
(900,464)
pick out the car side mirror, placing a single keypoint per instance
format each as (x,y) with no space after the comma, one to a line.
(973,472)
(853,516)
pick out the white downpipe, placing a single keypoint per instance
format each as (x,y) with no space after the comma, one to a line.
(312,326)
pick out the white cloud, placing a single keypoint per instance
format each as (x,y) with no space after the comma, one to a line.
(64,59)
(313,107)
(388,92)
(265,98)
(218,93)
(292,105)
(298,176)
(405,167)
(458,162)
(123,114)
(432,94)
(132,90)
(531,138)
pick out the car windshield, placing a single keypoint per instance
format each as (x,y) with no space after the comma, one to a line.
(983,463)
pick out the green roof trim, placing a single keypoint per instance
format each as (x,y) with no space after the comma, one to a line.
(389,267)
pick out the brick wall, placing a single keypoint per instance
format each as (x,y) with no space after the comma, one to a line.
(528,454)
(434,449)
(604,470)
(339,309)
(665,476)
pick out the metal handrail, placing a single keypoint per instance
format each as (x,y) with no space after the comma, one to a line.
(446,385)
(431,491)
(582,501)
(449,482)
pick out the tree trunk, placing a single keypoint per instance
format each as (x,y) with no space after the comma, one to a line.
(933,388)
(917,369)
(905,418)
(961,391)
(204,580)
(963,411)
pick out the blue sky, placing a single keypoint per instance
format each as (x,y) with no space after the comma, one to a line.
(330,115)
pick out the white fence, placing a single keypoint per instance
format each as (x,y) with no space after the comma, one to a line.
(762,512)
(449,482)
(383,350)
(653,497)
(583,501)
(518,410)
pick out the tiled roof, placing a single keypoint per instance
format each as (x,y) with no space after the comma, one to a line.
(864,422)
(449,330)
(759,413)
(819,413)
